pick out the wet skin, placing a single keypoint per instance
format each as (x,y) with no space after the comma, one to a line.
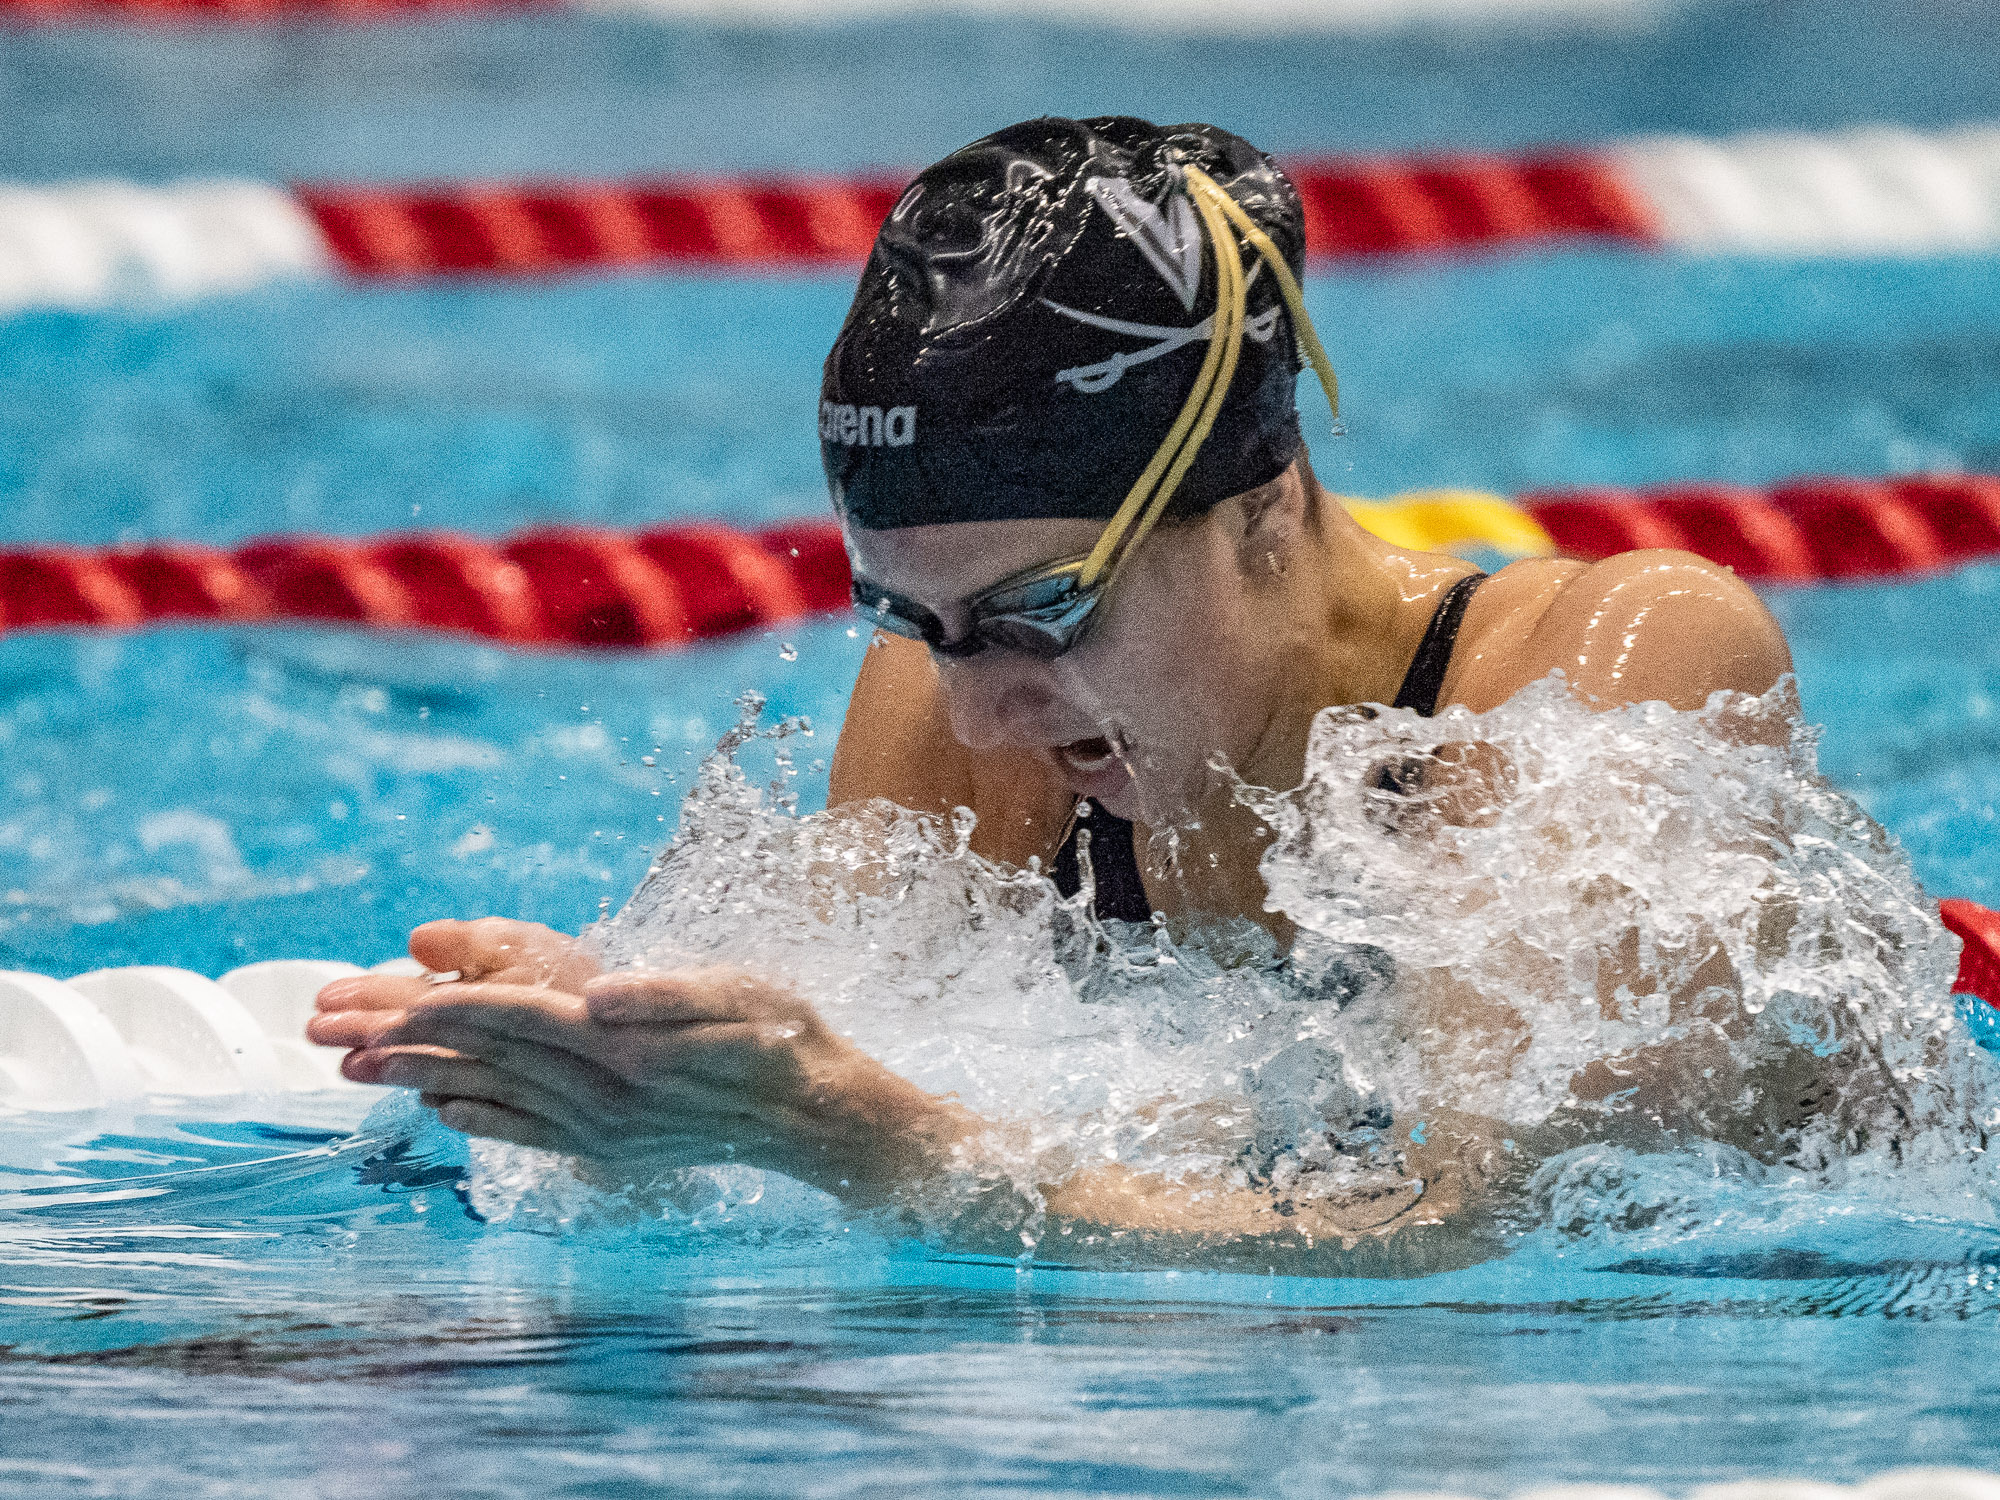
(1223,639)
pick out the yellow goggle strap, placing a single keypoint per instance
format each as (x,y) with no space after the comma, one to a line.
(1129,510)
(1288,287)
(1154,490)
(1228,336)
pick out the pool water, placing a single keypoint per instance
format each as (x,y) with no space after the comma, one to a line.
(328,1319)
(298,1299)
(352,776)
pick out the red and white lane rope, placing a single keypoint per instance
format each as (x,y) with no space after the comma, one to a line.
(665,587)
(102,244)
(1802,531)
(1868,192)
(554,587)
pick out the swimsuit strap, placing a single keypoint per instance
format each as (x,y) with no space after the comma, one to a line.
(1114,854)
(1425,678)
(1114,865)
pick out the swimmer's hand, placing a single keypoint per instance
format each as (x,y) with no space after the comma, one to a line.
(636,1074)
(498,950)
(645,1072)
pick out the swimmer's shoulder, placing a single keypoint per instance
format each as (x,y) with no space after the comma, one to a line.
(897,744)
(1653,625)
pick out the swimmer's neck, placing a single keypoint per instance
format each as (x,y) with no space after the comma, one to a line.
(1347,620)
(1349,615)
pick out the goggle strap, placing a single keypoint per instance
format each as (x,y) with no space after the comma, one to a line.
(1111,541)
(1232,299)
(1154,490)
(1288,288)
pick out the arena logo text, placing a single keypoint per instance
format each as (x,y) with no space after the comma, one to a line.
(867,426)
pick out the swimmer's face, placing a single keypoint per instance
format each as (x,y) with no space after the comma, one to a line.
(1178,666)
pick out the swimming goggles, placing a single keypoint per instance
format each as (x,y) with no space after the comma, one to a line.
(1045,610)
(1041,612)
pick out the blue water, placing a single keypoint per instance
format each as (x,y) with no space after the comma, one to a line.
(328,1319)
(565,94)
(626,400)
(237,1309)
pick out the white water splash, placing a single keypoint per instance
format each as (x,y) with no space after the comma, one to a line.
(1655,950)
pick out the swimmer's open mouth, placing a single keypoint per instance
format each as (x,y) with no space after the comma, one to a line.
(1089,757)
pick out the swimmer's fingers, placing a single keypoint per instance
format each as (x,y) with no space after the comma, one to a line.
(593,1113)
(366,1011)
(691,997)
(438,1074)
(502,1122)
(552,1082)
(353,1012)
(532,1029)
(501,949)
(499,1122)
(540,1033)
(509,1012)
(472,950)
(371,992)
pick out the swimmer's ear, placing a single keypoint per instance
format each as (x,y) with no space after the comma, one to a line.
(1275,519)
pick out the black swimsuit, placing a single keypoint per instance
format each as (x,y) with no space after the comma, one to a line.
(1114,860)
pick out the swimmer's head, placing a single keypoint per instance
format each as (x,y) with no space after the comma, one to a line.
(1032,318)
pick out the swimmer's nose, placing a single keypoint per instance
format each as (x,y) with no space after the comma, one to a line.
(997,700)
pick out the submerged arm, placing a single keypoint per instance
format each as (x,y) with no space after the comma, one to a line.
(641,1074)
(1644,627)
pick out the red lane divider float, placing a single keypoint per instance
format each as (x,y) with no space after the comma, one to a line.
(543,230)
(577,587)
(1386,208)
(555,587)
(1803,531)
(1979,963)
(1351,210)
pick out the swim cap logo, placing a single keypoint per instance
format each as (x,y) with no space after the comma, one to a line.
(1170,240)
(867,426)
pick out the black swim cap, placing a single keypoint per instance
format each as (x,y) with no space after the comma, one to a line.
(1030,323)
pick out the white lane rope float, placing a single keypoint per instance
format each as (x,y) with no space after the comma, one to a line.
(1873,192)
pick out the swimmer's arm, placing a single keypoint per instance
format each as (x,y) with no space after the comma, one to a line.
(1649,626)
(642,1074)
(896,742)
(1445,1182)
(1643,627)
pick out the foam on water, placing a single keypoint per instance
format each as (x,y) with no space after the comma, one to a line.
(1677,982)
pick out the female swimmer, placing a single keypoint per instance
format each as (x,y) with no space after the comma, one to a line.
(1059,430)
